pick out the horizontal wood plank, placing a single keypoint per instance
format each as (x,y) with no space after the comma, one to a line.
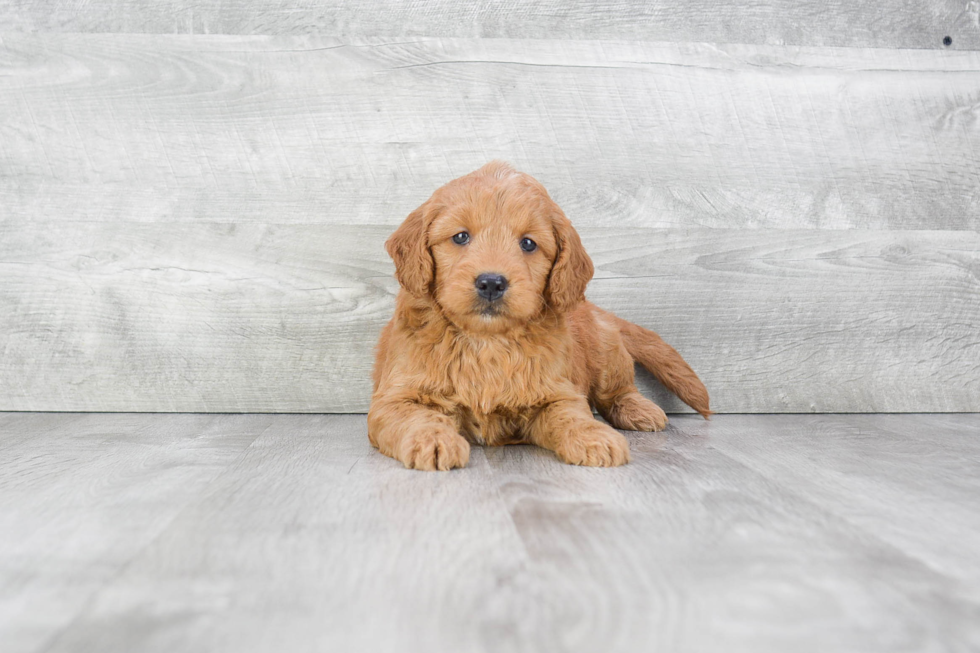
(201,317)
(302,129)
(194,222)
(884,24)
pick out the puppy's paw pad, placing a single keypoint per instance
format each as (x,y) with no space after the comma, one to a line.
(634,412)
(433,450)
(595,448)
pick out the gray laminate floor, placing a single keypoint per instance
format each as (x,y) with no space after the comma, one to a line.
(183,533)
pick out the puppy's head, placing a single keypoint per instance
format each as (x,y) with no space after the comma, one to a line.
(492,250)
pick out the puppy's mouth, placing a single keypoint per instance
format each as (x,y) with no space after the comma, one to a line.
(488,310)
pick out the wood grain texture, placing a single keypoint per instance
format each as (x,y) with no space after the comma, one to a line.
(746,533)
(237,318)
(885,24)
(297,129)
(82,495)
(194,223)
(860,480)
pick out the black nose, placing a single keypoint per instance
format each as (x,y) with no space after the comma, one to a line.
(491,287)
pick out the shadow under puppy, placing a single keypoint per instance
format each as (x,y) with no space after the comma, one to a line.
(492,340)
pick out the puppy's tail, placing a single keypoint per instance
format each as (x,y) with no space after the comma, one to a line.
(663,361)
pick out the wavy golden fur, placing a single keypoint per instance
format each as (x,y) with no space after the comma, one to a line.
(521,362)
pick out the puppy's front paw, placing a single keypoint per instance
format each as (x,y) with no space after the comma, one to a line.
(432,449)
(595,446)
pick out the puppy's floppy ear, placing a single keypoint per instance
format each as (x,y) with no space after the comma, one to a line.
(573,268)
(409,248)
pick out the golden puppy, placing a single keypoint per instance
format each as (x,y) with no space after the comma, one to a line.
(492,340)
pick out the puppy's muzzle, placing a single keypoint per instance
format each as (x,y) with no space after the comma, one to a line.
(490,286)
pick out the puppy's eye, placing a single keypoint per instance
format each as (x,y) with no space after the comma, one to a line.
(528,245)
(461,238)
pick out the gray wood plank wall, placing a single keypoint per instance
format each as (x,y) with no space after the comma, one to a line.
(887,23)
(194,222)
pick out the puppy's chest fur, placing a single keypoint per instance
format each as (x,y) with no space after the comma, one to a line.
(496,428)
(494,386)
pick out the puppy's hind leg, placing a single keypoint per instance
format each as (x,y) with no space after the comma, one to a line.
(631,411)
(615,395)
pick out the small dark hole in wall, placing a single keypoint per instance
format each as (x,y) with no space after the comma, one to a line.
(947,41)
